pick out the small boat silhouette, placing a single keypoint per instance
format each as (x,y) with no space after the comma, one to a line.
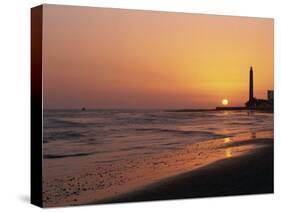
(83,108)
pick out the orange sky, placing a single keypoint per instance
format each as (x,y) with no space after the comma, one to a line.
(112,58)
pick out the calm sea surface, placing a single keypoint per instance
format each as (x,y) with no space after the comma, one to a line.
(111,135)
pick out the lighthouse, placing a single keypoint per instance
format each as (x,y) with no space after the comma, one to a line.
(251,85)
(252,101)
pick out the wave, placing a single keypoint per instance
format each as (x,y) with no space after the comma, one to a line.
(64,123)
(56,156)
(241,123)
(69,135)
(57,123)
(183,132)
(50,156)
(133,148)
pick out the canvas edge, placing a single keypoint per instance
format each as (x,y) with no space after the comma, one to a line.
(36,105)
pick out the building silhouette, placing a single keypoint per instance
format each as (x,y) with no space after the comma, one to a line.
(270,95)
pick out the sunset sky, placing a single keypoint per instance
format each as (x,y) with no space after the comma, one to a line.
(112,58)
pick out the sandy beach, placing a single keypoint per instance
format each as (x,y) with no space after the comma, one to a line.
(250,173)
(216,167)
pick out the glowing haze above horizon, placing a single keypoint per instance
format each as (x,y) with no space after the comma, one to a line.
(112,58)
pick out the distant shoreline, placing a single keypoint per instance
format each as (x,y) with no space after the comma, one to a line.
(221,109)
(161,109)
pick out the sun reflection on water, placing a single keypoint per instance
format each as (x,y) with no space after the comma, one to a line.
(225,113)
(226,140)
(228,153)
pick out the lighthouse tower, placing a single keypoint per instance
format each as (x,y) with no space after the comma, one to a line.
(252,101)
(251,86)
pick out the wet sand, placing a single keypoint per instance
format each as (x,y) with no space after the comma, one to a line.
(228,166)
(250,173)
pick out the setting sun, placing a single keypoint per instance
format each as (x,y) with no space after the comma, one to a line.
(224,102)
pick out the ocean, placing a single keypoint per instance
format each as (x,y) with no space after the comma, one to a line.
(74,133)
(113,151)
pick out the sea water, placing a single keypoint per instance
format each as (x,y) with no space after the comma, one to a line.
(126,133)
